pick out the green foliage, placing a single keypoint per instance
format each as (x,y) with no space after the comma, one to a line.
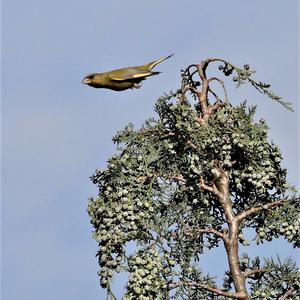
(150,193)
(144,282)
(245,74)
(277,280)
(273,280)
(285,222)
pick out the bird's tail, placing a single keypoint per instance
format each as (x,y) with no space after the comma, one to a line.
(158,61)
(155,73)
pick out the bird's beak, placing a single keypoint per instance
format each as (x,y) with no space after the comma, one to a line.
(85,81)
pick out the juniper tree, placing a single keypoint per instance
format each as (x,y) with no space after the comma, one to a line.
(194,179)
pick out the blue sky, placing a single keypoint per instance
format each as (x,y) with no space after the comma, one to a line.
(56,131)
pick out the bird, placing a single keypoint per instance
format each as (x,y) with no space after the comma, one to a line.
(123,79)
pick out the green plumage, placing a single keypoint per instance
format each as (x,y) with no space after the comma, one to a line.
(123,79)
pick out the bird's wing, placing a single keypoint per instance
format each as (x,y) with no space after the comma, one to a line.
(127,74)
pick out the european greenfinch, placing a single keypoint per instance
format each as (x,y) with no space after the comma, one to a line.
(123,79)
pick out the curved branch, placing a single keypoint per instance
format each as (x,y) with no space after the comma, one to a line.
(223,86)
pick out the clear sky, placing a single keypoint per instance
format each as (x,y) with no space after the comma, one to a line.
(57,131)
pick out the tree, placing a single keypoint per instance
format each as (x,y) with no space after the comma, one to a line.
(196,178)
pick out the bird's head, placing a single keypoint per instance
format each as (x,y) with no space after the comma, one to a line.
(89,79)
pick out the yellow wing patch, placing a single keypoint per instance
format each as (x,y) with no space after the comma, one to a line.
(142,74)
(131,76)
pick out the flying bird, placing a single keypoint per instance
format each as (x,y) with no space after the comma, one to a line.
(123,79)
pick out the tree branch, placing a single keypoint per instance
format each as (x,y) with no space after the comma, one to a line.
(213,189)
(213,231)
(255,210)
(223,86)
(202,96)
(191,144)
(179,178)
(287,294)
(249,273)
(207,230)
(217,291)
